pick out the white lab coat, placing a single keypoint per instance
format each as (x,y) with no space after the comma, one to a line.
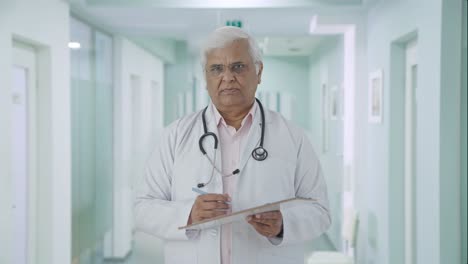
(165,197)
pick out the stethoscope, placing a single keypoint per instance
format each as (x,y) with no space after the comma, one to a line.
(259,153)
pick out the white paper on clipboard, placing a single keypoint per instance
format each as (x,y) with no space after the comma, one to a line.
(241,215)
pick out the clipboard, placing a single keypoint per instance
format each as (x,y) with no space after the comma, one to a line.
(241,215)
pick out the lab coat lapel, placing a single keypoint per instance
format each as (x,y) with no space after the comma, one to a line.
(213,127)
(253,139)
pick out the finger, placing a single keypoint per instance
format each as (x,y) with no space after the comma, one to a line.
(269,215)
(214,206)
(263,229)
(211,214)
(255,218)
(198,213)
(268,222)
(260,226)
(269,228)
(211,197)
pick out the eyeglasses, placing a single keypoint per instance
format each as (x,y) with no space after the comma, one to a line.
(236,69)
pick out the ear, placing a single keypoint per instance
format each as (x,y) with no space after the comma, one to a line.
(259,74)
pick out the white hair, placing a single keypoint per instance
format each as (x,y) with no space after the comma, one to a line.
(223,36)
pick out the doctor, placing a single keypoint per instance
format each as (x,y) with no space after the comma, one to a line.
(241,155)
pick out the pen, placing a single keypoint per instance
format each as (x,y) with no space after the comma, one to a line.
(203,192)
(198,191)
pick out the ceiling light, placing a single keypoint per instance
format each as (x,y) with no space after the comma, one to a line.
(74,45)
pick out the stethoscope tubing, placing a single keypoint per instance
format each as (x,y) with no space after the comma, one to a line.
(259,153)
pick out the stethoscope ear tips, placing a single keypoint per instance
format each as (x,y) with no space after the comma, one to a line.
(259,153)
(200,185)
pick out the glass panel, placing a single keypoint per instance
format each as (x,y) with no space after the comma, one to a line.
(104,134)
(92,140)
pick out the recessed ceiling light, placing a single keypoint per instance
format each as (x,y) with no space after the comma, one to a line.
(74,45)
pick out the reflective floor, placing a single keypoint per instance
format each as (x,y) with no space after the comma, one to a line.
(146,250)
(149,250)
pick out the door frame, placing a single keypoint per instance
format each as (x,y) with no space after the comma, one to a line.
(25,56)
(410,150)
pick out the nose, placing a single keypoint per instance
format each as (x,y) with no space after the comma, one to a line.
(228,76)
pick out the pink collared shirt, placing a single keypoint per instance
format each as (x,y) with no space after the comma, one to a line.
(232,144)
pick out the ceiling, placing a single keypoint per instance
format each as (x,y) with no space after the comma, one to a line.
(281,25)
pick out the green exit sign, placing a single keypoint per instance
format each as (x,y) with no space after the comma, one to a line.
(234,23)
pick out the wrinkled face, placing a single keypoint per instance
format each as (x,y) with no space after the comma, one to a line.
(231,77)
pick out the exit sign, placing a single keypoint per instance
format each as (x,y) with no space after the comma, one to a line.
(234,23)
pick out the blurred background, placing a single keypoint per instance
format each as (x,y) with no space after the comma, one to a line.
(379,86)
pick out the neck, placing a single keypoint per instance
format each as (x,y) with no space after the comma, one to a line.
(234,117)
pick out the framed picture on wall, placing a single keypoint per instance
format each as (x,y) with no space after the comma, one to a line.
(375,98)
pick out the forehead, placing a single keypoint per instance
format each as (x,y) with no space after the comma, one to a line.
(236,51)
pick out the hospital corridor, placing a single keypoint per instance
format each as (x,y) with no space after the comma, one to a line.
(90,88)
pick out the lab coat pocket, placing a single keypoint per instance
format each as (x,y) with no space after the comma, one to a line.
(177,252)
(278,174)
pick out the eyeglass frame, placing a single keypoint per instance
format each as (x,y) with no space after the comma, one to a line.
(234,72)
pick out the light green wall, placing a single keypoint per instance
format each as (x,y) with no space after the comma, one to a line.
(450,215)
(436,241)
(326,66)
(396,149)
(165,49)
(178,78)
(463,137)
(289,75)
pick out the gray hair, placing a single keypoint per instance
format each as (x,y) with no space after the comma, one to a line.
(223,36)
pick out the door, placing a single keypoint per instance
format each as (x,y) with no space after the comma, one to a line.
(411,77)
(23,157)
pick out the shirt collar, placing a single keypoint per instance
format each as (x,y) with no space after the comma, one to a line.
(220,120)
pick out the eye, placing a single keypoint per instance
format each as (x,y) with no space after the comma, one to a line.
(216,69)
(238,67)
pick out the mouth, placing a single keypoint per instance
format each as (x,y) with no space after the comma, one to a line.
(228,91)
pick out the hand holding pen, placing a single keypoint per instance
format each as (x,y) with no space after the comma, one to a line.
(209,205)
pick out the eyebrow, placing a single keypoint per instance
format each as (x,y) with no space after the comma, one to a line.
(219,64)
(212,66)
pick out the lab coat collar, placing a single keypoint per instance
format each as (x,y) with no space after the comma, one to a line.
(220,119)
(211,117)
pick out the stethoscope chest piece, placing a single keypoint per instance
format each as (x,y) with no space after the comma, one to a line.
(259,153)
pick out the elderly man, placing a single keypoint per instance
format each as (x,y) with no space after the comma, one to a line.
(263,158)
